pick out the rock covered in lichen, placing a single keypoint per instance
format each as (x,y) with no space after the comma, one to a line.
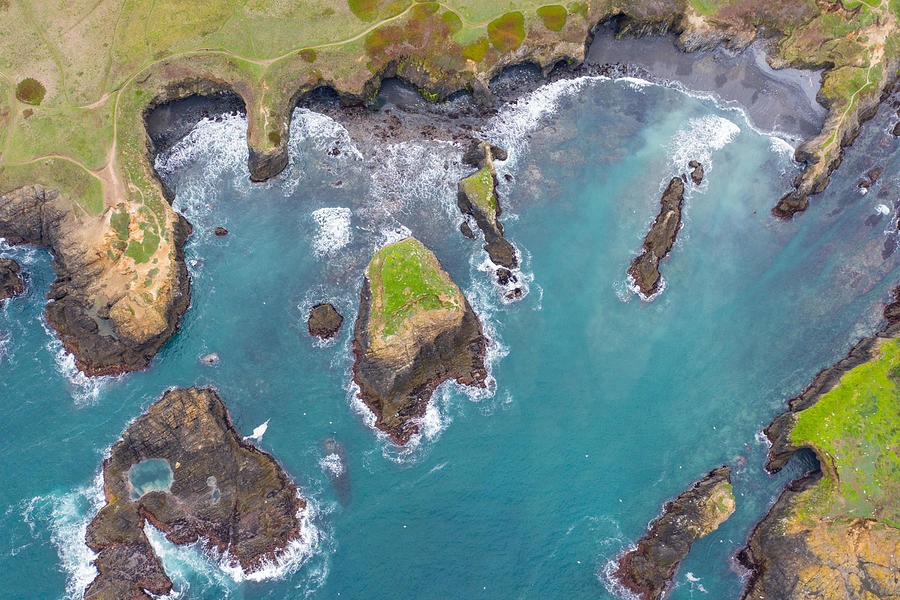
(11,282)
(224,491)
(415,330)
(647,570)
(324,321)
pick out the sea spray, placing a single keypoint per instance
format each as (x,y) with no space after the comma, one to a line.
(333,230)
(66,515)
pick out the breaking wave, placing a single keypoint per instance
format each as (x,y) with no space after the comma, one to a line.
(333,230)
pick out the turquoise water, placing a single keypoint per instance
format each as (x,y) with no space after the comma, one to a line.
(149,475)
(601,406)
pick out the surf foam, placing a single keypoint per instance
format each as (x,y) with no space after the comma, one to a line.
(333,230)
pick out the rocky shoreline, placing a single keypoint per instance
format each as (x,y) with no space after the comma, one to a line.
(840,553)
(410,337)
(11,282)
(227,493)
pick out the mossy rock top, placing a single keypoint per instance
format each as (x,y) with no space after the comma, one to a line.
(855,431)
(408,287)
(30,91)
(479,189)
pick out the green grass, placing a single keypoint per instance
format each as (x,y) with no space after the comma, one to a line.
(507,32)
(855,430)
(405,279)
(479,187)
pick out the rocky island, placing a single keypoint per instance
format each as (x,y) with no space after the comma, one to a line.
(647,570)
(11,282)
(835,533)
(414,331)
(324,321)
(210,484)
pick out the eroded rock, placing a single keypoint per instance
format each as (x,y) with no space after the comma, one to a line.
(324,321)
(224,491)
(414,331)
(696,172)
(659,240)
(11,282)
(100,303)
(648,570)
(477,196)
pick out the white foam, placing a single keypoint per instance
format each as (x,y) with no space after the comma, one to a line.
(67,516)
(323,132)
(332,464)
(612,585)
(781,146)
(691,577)
(333,230)
(882,209)
(635,83)
(514,123)
(258,432)
(699,139)
(390,235)
(84,390)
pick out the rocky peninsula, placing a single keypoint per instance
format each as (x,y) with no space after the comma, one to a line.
(647,570)
(324,321)
(11,282)
(221,489)
(835,532)
(415,330)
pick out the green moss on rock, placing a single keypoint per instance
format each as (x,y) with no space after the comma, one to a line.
(479,187)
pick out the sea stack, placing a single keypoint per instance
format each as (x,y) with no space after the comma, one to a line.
(324,321)
(477,196)
(11,282)
(220,489)
(659,240)
(648,570)
(414,331)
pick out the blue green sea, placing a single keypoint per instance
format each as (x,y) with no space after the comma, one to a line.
(600,406)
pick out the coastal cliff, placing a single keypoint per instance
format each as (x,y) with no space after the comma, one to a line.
(647,570)
(111,304)
(222,490)
(414,330)
(835,533)
(75,132)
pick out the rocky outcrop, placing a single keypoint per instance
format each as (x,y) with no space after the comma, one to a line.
(107,325)
(227,493)
(659,240)
(415,330)
(696,172)
(11,282)
(815,541)
(647,570)
(324,321)
(477,196)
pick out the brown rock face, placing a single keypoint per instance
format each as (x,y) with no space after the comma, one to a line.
(11,282)
(225,491)
(33,215)
(696,172)
(324,321)
(647,571)
(659,240)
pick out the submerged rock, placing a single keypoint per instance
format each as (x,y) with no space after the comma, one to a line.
(834,532)
(648,570)
(211,359)
(324,321)
(414,331)
(221,231)
(477,196)
(334,462)
(11,282)
(659,240)
(227,493)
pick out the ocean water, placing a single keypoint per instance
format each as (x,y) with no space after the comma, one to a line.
(600,408)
